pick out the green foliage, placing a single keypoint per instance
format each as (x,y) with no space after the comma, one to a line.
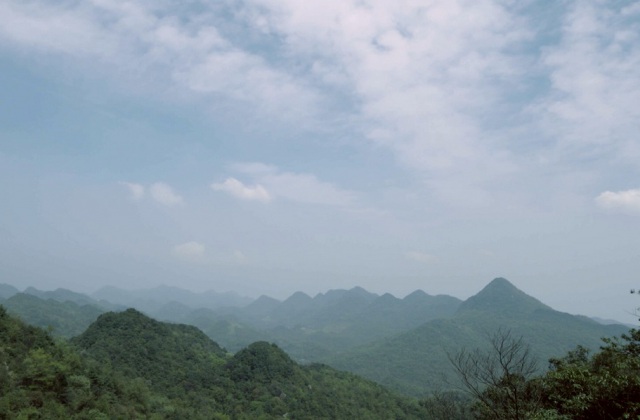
(172,357)
(577,386)
(415,362)
(605,385)
(448,405)
(65,319)
(193,373)
(42,378)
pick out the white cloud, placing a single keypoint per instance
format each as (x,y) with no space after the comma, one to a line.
(306,188)
(427,76)
(624,201)
(190,251)
(136,190)
(156,46)
(595,84)
(299,187)
(467,93)
(422,257)
(164,194)
(239,190)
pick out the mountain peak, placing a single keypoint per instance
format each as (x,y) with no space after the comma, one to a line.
(500,282)
(500,295)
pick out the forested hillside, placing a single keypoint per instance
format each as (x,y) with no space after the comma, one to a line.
(416,362)
(66,319)
(130,366)
(402,344)
(315,328)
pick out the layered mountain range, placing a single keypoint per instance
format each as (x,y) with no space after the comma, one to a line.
(400,343)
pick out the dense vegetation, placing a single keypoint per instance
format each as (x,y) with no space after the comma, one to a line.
(65,319)
(42,378)
(127,365)
(415,362)
(605,385)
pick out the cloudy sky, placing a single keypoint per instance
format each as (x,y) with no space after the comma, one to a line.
(271,146)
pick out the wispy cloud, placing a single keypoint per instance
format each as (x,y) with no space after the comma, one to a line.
(427,77)
(592,105)
(136,190)
(241,191)
(160,192)
(463,93)
(190,251)
(297,187)
(165,195)
(152,46)
(623,201)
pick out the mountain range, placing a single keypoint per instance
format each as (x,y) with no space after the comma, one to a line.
(400,343)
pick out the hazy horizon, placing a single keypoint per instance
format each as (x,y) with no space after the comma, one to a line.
(268,147)
(626,317)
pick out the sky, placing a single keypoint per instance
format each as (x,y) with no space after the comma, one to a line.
(267,147)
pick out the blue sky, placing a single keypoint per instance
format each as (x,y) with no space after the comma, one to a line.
(272,146)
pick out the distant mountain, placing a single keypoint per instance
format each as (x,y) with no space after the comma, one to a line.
(604,321)
(60,295)
(225,329)
(291,310)
(66,319)
(415,362)
(153,299)
(500,296)
(66,295)
(6,291)
(312,329)
(171,311)
(261,307)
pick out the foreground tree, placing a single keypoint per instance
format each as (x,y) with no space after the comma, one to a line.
(499,379)
(603,386)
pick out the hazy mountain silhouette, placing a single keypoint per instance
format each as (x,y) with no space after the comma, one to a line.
(6,291)
(415,361)
(503,297)
(151,300)
(66,319)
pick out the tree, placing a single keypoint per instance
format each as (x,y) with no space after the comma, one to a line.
(604,386)
(499,378)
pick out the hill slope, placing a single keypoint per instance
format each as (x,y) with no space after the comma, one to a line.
(260,381)
(311,329)
(65,319)
(416,363)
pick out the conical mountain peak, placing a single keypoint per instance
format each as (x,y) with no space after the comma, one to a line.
(500,295)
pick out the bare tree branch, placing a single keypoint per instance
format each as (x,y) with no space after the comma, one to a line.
(497,378)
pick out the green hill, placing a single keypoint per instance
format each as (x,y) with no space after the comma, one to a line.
(41,378)
(65,319)
(127,365)
(170,356)
(416,363)
(152,300)
(260,381)
(312,329)
(6,291)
